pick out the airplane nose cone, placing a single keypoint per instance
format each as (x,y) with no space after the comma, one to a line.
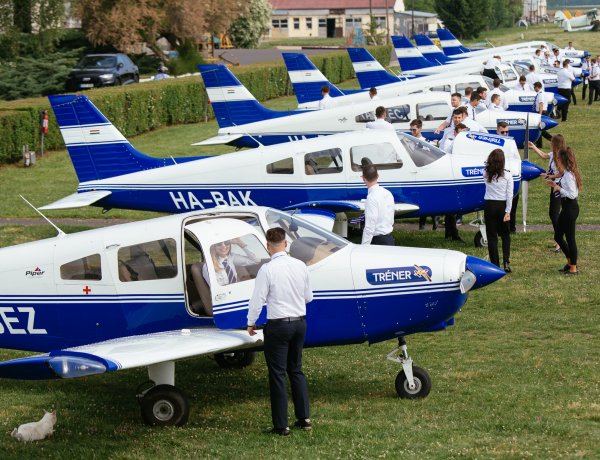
(547,123)
(560,100)
(586,54)
(530,171)
(577,81)
(484,271)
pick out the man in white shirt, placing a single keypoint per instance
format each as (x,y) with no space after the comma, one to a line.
(472,107)
(522,84)
(565,86)
(380,121)
(327,102)
(415,129)
(379,211)
(496,104)
(585,66)
(540,106)
(531,77)
(499,92)
(373,94)
(455,102)
(284,285)
(489,68)
(594,79)
(569,46)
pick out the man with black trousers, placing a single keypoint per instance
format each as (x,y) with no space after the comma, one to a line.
(379,210)
(284,285)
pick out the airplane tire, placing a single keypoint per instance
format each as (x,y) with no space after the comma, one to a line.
(422,384)
(235,360)
(478,240)
(165,405)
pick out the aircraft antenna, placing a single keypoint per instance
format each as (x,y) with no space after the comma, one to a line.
(60,232)
(171,157)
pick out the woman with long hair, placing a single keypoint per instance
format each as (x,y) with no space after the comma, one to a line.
(498,203)
(568,187)
(556,144)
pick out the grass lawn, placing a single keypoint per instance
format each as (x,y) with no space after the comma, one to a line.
(517,376)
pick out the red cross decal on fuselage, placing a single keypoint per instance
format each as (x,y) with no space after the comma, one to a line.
(87,290)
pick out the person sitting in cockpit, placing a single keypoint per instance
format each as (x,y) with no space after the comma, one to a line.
(225,261)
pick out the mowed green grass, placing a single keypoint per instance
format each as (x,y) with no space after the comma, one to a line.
(517,376)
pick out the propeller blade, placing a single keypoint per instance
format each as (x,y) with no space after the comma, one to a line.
(524,202)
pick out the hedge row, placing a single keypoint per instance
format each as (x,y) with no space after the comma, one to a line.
(139,108)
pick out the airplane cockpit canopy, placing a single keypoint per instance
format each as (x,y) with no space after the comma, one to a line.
(421,152)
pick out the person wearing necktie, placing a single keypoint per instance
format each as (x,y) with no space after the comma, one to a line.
(225,261)
(473,104)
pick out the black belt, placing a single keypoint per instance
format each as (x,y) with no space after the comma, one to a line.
(286,320)
(567,200)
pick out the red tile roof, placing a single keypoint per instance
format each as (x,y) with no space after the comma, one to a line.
(328,4)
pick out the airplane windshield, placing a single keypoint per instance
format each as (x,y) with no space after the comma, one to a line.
(421,152)
(306,242)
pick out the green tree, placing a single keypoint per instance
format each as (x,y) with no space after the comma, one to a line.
(245,31)
(465,18)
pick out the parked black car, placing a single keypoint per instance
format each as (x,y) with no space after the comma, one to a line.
(97,70)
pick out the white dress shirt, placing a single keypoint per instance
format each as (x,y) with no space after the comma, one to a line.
(379,213)
(503,101)
(568,186)
(496,108)
(472,111)
(500,189)
(540,99)
(565,78)
(473,125)
(531,78)
(232,260)
(594,72)
(380,123)
(284,285)
(524,87)
(327,102)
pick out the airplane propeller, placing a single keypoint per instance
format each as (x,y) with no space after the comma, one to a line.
(524,183)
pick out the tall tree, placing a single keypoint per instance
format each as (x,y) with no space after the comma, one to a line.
(465,18)
(246,30)
(123,24)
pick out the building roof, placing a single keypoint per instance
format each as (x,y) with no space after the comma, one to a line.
(329,4)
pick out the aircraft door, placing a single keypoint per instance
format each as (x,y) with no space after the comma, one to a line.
(234,252)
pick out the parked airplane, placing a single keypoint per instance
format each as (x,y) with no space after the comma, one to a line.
(571,23)
(451,82)
(322,173)
(244,122)
(133,295)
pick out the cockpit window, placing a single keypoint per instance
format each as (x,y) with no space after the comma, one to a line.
(383,156)
(86,268)
(422,153)
(148,261)
(460,87)
(509,75)
(437,110)
(306,242)
(323,162)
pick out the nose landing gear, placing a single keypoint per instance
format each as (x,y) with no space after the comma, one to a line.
(412,382)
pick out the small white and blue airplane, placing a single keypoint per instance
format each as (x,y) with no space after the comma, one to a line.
(579,23)
(508,71)
(244,122)
(321,174)
(307,81)
(133,295)
(454,48)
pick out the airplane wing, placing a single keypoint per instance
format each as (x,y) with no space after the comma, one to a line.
(347,206)
(128,352)
(218,140)
(78,200)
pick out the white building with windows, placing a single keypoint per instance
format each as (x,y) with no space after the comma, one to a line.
(330,18)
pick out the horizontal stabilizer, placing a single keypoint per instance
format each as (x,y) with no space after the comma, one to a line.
(218,140)
(348,206)
(78,200)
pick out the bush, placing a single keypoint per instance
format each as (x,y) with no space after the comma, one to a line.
(135,109)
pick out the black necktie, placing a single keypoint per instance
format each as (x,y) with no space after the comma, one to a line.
(230,275)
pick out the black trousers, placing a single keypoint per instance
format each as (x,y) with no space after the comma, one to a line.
(493,213)
(564,109)
(594,90)
(283,353)
(451,230)
(584,86)
(566,229)
(554,209)
(383,240)
(513,213)
(573,96)
(545,135)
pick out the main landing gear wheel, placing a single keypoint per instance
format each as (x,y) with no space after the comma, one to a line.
(422,384)
(235,360)
(165,405)
(479,243)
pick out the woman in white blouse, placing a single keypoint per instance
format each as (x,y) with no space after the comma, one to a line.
(568,186)
(498,203)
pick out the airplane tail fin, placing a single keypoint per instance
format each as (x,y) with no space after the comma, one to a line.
(450,43)
(232,103)
(96,147)
(306,79)
(409,57)
(429,50)
(368,70)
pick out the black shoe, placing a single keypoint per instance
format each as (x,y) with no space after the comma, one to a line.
(565,269)
(570,273)
(513,230)
(507,267)
(279,431)
(304,424)
(459,239)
